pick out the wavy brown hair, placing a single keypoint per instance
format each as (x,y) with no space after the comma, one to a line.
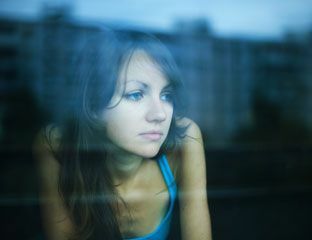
(84,181)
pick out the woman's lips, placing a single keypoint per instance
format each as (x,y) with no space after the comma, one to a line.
(154,136)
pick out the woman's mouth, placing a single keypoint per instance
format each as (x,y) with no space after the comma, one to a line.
(152,135)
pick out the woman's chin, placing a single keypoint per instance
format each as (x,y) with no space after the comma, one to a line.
(147,152)
(142,150)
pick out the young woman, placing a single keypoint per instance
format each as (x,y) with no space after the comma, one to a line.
(115,167)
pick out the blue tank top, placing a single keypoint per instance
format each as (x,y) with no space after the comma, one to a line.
(162,231)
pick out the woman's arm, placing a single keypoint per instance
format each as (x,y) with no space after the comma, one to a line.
(194,212)
(56,223)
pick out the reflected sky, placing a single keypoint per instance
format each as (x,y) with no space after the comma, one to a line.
(252,18)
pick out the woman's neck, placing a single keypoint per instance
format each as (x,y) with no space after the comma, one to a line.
(123,167)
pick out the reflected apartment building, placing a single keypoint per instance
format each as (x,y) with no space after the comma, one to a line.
(218,75)
(222,75)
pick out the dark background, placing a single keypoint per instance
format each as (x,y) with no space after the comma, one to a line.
(251,97)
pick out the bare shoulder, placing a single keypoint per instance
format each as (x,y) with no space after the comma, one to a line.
(189,152)
(49,135)
(193,132)
(45,149)
(56,222)
(47,141)
(194,212)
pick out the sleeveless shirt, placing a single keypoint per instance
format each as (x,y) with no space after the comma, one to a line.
(162,231)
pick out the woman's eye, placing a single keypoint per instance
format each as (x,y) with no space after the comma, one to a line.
(134,96)
(167,96)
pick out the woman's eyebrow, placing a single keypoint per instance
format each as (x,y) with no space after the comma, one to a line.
(144,85)
(168,86)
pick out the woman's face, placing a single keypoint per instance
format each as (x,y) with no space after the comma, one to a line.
(141,108)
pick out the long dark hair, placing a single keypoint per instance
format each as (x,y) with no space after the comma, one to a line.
(84,180)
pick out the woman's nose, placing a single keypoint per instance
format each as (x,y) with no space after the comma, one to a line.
(156,111)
